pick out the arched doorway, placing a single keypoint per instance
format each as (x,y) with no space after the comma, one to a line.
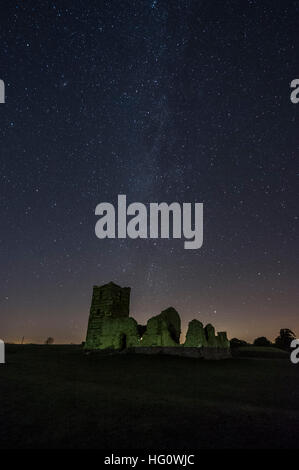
(123,341)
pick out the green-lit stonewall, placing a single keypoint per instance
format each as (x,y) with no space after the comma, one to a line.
(110,326)
(163,329)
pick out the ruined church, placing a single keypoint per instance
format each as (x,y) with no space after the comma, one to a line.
(110,327)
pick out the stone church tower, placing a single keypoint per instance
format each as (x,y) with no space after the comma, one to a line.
(109,324)
(110,300)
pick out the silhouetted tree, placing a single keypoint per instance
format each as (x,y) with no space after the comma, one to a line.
(237,343)
(285,338)
(262,341)
(49,340)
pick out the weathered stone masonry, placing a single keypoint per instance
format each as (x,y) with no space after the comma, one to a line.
(109,324)
(110,327)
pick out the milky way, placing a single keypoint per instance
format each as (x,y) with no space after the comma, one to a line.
(185,101)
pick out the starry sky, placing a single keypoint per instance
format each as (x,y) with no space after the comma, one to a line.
(185,101)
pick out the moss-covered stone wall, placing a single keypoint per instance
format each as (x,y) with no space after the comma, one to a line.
(163,329)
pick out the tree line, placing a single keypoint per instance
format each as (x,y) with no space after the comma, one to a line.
(283,341)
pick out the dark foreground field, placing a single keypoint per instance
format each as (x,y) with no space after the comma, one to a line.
(57,397)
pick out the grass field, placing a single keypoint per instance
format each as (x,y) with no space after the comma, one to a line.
(58,397)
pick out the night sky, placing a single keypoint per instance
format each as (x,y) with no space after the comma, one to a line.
(185,101)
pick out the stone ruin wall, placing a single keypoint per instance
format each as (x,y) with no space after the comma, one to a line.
(110,327)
